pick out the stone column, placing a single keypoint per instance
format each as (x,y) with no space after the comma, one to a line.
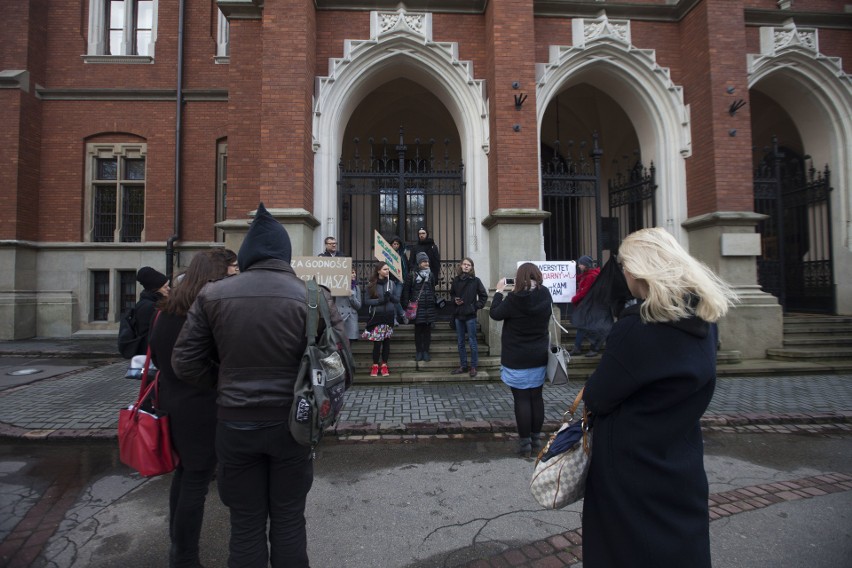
(728,244)
(515,235)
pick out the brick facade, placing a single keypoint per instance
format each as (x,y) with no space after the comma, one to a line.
(261,103)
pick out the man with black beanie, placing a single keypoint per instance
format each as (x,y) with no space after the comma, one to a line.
(251,329)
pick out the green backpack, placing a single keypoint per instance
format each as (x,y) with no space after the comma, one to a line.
(327,370)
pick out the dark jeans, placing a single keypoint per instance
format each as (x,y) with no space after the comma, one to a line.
(381,349)
(186,513)
(529,410)
(423,337)
(467,327)
(264,475)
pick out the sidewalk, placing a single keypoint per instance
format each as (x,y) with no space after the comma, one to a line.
(84,402)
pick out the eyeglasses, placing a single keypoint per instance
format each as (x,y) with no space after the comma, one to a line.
(332,243)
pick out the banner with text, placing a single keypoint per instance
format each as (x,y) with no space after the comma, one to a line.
(333,272)
(560,277)
(386,253)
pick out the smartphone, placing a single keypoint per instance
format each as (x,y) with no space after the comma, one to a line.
(510,281)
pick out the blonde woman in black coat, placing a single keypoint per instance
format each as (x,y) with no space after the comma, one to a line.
(646,493)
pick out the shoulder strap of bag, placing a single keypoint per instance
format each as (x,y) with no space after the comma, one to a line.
(312,292)
(143,386)
(556,321)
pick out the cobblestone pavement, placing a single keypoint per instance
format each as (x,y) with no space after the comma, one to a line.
(85,403)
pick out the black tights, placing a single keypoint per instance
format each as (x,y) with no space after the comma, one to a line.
(423,337)
(381,349)
(529,410)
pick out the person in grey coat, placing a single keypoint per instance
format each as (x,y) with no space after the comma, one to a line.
(348,307)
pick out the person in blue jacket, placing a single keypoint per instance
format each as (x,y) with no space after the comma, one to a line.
(646,493)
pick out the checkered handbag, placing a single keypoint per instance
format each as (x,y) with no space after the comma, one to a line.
(559,480)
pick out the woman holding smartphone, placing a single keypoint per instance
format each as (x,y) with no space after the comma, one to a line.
(525,313)
(470,296)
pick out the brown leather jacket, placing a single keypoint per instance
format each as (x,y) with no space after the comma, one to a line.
(253,326)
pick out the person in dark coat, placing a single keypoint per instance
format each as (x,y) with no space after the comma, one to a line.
(379,329)
(646,493)
(420,287)
(250,328)
(399,246)
(525,341)
(331,248)
(469,296)
(191,410)
(155,286)
(587,274)
(425,244)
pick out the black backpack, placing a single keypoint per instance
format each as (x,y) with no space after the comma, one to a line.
(128,334)
(326,372)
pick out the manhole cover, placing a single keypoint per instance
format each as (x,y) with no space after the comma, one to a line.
(24,372)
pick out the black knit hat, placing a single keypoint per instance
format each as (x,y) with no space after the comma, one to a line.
(266,238)
(150,279)
(586,260)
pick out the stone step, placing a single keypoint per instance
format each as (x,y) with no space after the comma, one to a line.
(799,340)
(814,353)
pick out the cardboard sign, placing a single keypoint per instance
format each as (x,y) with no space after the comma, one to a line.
(560,277)
(386,253)
(333,272)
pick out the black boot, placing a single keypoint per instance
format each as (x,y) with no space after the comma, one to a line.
(524,447)
(535,441)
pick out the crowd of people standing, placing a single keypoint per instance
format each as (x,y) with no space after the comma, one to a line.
(228,350)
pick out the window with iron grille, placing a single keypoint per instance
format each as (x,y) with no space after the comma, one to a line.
(100,295)
(115,193)
(127,290)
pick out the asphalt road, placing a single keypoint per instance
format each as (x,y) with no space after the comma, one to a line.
(424,504)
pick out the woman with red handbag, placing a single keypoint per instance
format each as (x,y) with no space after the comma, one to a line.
(192,412)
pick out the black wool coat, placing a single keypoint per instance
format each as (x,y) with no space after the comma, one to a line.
(383,307)
(525,316)
(646,493)
(428,246)
(146,308)
(473,294)
(427,310)
(192,410)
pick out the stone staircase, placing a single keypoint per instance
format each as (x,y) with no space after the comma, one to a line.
(813,344)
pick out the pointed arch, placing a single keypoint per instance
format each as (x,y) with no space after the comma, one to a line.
(401,46)
(603,56)
(817,94)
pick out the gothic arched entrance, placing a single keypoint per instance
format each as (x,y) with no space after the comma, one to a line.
(396,188)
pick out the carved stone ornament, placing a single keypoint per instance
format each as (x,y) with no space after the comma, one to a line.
(600,28)
(773,40)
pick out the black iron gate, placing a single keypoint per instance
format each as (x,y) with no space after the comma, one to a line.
(796,248)
(397,189)
(570,191)
(632,205)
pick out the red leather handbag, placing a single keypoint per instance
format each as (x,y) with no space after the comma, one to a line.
(144,442)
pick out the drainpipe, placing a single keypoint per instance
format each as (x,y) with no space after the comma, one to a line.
(170,244)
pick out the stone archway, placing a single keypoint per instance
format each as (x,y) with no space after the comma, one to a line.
(604,57)
(816,94)
(401,46)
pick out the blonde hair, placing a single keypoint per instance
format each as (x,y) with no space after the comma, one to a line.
(678,286)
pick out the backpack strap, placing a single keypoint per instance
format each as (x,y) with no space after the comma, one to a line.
(312,301)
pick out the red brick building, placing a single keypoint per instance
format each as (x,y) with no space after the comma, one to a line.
(139,131)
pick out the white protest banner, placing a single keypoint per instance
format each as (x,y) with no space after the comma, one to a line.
(560,277)
(385,252)
(333,272)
